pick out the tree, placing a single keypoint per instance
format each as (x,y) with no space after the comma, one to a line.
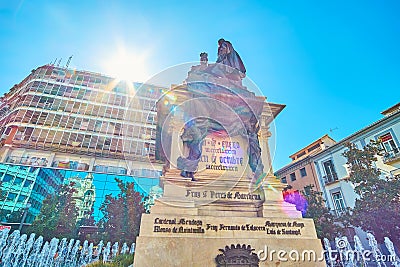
(57,216)
(377,208)
(87,228)
(122,214)
(311,204)
(88,219)
(326,224)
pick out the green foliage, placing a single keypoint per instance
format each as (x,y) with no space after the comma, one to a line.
(326,224)
(122,260)
(58,215)
(88,220)
(122,214)
(377,209)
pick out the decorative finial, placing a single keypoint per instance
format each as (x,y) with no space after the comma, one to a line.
(203,58)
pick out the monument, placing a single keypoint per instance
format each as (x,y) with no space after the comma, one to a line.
(222,205)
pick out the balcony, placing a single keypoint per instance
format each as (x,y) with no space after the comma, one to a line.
(392,156)
(33,161)
(330,178)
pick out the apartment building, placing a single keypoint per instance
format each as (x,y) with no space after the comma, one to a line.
(80,122)
(300,172)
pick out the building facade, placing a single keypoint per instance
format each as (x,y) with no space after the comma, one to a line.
(301,172)
(84,195)
(23,184)
(80,121)
(331,167)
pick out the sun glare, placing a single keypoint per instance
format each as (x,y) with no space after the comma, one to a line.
(127,64)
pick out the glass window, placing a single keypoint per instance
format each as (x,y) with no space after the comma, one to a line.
(18,180)
(301,154)
(11,196)
(283,179)
(293,177)
(303,172)
(388,143)
(7,178)
(313,147)
(338,201)
(329,171)
(27,183)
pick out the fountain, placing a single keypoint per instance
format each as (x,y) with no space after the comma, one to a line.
(395,259)
(3,240)
(89,256)
(345,251)
(98,250)
(360,256)
(10,248)
(18,250)
(359,249)
(132,249)
(27,248)
(124,248)
(60,254)
(328,252)
(84,253)
(34,253)
(106,252)
(375,250)
(114,250)
(42,255)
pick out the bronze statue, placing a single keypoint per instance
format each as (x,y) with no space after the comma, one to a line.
(204,58)
(228,56)
(192,138)
(211,81)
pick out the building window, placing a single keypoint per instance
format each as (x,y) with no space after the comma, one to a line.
(307,190)
(11,196)
(7,178)
(331,175)
(303,172)
(18,181)
(388,143)
(301,154)
(293,177)
(27,183)
(313,147)
(338,201)
(8,130)
(283,179)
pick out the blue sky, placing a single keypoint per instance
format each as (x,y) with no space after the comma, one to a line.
(335,64)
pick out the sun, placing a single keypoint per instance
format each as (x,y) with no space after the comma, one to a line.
(127,64)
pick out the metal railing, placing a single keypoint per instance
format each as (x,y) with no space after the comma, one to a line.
(391,156)
(330,178)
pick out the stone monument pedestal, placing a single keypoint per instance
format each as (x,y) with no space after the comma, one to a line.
(223,207)
(194,222)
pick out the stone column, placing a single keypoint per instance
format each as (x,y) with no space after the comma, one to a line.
(265,152)
(6,151)
(176,125)
(274,205)
(50,160)
(91,164)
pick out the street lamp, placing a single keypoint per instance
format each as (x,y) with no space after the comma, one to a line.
(28,205)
